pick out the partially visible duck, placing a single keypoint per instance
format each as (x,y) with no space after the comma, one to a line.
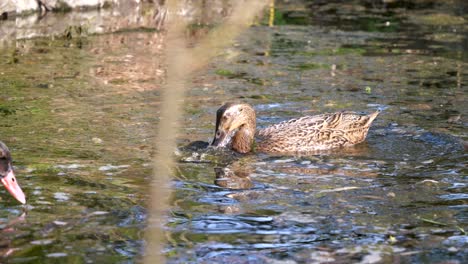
(7,176)
(236,125)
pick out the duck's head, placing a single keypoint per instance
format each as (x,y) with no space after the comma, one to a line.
(7,177)
(235,126)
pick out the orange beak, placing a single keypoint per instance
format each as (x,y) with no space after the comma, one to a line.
(10,183)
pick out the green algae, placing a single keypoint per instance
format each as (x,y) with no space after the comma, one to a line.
(311,66)
(333,52)
(439,19)
(227,73)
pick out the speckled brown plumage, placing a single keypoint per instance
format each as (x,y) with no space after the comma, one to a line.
(235,127)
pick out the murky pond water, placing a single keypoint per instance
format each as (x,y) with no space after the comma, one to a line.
(80,116)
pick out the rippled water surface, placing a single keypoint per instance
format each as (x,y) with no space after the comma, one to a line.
(80,116)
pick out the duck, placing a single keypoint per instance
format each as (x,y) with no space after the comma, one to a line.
(236,129)
(7,176)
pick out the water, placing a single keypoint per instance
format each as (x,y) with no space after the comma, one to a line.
(80,117)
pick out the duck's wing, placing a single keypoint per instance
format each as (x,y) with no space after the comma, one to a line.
(293,126)
(349,121)
(323,131)
(336,121)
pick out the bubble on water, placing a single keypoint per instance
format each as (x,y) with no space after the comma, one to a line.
(69,166)
(42,242)
(284,161)
(112,167)
(97,213)
(60,223)
(57,255)
(97,140)
(62,196)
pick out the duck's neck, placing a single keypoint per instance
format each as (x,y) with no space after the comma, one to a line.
(243,140)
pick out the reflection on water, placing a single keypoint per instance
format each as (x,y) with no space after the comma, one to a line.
(80,117)
(233,178)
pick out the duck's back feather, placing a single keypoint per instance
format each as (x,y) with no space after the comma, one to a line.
(311,133)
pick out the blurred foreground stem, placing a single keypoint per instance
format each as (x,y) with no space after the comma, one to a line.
(182,62)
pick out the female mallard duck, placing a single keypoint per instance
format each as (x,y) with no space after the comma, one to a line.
(236,124)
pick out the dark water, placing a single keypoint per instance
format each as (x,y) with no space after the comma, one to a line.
(80,117)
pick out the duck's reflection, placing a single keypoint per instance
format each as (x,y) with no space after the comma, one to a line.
(237,178)
(6,242)
(237,175)
(233,177)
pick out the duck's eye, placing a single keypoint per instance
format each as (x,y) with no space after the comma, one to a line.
(240,110)
(218,133)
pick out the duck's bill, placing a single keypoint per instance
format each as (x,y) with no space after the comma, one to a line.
(221,139)
(10,183)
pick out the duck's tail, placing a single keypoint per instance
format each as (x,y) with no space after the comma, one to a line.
(372,117)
